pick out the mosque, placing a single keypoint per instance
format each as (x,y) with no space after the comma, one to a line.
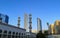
(11,31)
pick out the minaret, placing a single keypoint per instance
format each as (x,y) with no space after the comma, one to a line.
(18,22)
(26,22)
(39,25)
(30,23)
(0,19)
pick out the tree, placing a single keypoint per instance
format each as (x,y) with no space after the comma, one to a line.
(40,35)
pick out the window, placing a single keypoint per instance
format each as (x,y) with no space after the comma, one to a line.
(0,31)
(9,32)
(16,33)
(5,31)
(9,36)
(0,35)
(5,34)
(22,33)
(13,33)
(19,33)
(12,36)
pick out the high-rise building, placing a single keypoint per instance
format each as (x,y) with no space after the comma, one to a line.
(26,22)
(4,18)
(39,25)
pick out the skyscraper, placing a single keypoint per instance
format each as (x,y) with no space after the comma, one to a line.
(4,18)
(26,22)
(39,25)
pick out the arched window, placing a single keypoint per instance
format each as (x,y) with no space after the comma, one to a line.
(5,32)
(0,31)
(9,32)
(19,34)
(13,33)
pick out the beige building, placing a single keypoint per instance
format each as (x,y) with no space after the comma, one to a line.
(51,29)
(57,27)
(34,31)
(57,23)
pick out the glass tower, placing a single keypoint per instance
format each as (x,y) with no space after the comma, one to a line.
(4,18)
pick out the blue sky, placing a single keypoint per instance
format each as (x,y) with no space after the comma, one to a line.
(46,10)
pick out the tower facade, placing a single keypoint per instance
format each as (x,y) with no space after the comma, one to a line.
(4,18)
(26,22)
(30,23)
(39,25)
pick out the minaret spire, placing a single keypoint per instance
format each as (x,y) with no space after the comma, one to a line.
(18,22)
(30,23)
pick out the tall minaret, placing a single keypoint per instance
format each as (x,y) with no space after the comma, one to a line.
(18,22)
(26,22)
(39,25)
(0,19)
(30,23)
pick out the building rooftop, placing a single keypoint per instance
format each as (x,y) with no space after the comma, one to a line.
(12,26)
